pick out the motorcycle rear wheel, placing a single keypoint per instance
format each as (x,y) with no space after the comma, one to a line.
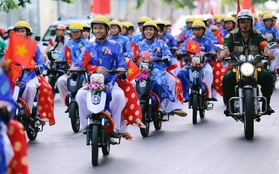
(249,114)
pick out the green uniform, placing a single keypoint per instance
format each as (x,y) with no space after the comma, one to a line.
(238,46)
(2,49)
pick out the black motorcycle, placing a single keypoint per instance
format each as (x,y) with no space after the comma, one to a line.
(74,83)
(248,103)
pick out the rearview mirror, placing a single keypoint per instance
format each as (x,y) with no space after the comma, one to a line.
(37,38)
(219,47)
(271,45)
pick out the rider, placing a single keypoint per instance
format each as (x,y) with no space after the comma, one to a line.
(168,26)
(246,40)
(106,55)
(229,25)
(137,38)
(206,46)
(115,29)
(86,31)
(70,52)
(59,40)
(187,32)
(163,83)
(268,31)
(125,30)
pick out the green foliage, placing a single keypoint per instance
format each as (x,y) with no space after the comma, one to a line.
(7,5)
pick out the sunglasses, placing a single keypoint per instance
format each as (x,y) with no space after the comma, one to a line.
(244,21)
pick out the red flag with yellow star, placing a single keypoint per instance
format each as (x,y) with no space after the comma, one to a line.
(15,71)
(21,50)
(135,49)
(133,70)
(192,46)
(86,59)
(67,55)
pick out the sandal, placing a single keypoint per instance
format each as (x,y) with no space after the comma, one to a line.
(139,123)
(127,136)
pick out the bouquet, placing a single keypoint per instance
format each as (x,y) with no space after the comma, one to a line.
(146,57)
(96,87)
(193,65)
(144,75)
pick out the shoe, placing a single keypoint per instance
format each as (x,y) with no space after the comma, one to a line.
(139,123)
(212,99)
(227,112)
(127,136)
(179,112)
(269,110)
(67,110)
(113,134)
(41,120)
(84,132)
(185,101)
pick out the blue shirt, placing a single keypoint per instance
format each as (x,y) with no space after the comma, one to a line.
(271,30)
(109,55)
(125,44)
(138,38)
(159,49)
(185,34)
(76,48)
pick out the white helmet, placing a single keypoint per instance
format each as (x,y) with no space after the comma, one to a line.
(245,14)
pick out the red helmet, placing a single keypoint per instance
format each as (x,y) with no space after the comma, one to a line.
(2,30)
(60,27)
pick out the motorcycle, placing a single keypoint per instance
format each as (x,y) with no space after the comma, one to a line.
(57,69)
(248,103)
(100,123)
(24,114)
(197,91)
(74,83)
(149,101)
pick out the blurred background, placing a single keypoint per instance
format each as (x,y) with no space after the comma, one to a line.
(42,13)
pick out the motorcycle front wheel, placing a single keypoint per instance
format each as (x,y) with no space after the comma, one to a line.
(106,145)
(95,145)
(194,107)
(73,113)
(158,121)
(144,131)
(249,114)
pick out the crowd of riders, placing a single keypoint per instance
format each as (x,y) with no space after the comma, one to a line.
(113,47)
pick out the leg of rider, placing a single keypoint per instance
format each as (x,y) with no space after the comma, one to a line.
(183,76)
(208,77)
(228,87)
(30,91)
(82,107)
(62,87)
(265,80)
(117,104)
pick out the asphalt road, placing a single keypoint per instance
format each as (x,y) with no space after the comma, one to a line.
(215,145)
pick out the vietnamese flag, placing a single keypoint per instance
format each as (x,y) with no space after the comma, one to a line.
(133,70)
(192,46)
(67,55)
(238,6)
(135,49)
(86,59)
(15,71)
(21,50)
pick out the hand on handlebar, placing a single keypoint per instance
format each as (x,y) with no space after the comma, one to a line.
(101,70)
(3,104)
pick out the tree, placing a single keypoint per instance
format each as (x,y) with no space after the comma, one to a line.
(7,5)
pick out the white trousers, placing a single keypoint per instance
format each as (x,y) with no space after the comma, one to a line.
(30,91)
(116,106)
(208,77)
(62,87)
(176,70)
(166,104)
(274,64)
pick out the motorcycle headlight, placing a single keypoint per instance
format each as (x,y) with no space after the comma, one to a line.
(247,69)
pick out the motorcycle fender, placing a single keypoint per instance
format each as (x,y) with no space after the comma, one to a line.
(96,102)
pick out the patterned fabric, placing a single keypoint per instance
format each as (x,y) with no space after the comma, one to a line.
(185,34)
(138,38)
(270,33)
(16,134)
(45,100)
(132,109)
(158,48)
